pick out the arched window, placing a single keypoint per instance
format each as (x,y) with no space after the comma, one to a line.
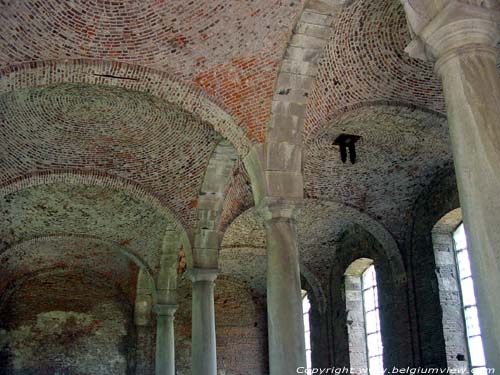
(306,307)
(472,327)
(363,317)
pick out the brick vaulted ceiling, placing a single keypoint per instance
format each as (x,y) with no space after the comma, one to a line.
(229,49)
(151,147)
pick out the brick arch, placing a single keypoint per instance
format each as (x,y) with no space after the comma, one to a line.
(131,77)
(129,253)
(339,115)
(17,283)
(101,179)
(374,228)
(88,178)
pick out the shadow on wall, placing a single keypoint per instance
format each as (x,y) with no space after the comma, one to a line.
(356,243)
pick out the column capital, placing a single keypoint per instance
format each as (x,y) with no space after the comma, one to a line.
(446,28)
(202,274)
(272,209)
(164,309)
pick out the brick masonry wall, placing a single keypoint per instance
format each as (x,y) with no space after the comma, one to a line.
(66,323)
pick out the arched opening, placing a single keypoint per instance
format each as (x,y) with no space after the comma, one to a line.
(363,317)
(369,308)
(461,327)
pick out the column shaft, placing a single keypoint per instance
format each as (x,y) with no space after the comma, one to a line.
(165,340)
(472,92)
(204,358)
(284,301)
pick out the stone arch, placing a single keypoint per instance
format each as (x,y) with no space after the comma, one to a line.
(275,167)
(131,77)
(209,206)
(217,175)
(299,69)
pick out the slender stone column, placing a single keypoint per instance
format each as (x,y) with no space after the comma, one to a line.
(203,349)
(462,38)
(284,300)
(165,339)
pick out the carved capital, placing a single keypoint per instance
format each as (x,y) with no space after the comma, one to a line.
(164,310)
(444,27)
(202,274)
(272,209)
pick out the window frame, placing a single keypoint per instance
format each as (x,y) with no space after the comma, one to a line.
(464,307)
(376,308)
(307,330)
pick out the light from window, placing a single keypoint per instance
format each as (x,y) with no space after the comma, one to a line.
(306,307)
(472,327)
(372,321)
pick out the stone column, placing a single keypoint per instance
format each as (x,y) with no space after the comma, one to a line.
(462,39)
(165,339)
(203,347)
(284,300)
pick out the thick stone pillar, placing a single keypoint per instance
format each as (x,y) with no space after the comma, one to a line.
(462,38)
(203,347)
(165,339)
(284,300)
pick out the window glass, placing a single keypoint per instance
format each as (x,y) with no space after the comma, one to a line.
(372,321)
(306,307)
(472,326)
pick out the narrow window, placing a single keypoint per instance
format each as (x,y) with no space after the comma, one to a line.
(372,321)
(472,327)
(306,307)
(363,317)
